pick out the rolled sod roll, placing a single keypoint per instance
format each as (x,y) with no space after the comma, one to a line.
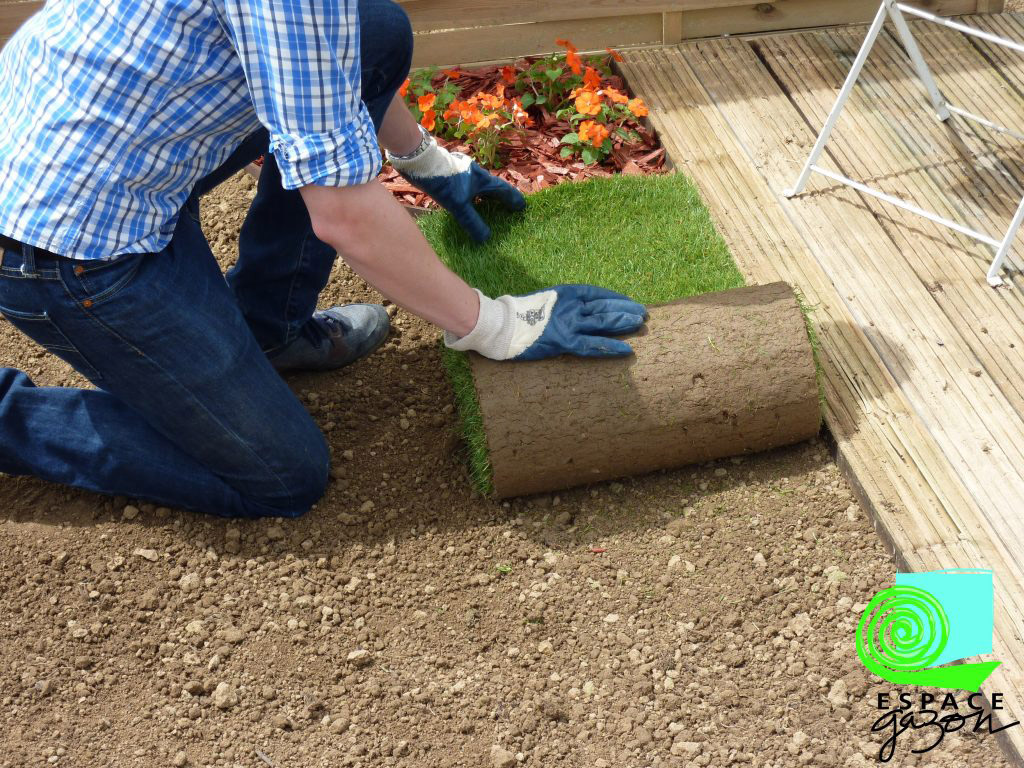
(715,375)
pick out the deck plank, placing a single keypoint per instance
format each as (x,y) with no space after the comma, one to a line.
(921,358)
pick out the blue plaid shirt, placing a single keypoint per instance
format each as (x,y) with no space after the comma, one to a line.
(111,111)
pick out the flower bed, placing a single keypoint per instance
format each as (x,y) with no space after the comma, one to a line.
(535,122)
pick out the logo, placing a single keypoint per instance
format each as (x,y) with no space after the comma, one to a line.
(532,316)
(925,620)
(910,634)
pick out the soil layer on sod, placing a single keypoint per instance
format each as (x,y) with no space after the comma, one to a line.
(721,374)
(651,238)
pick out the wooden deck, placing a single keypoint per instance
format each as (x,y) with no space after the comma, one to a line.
(924,362)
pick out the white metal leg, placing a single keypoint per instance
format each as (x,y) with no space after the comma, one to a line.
(909,206)
(923,72)
(982,121)
(943,110)
(1004,248)
(837,108)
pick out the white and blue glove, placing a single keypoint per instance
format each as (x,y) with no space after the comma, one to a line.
(455,180)
(565,319)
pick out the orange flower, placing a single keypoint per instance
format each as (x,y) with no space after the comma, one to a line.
(483,121)
(637,107)
(614,54)
(593,132)
(469,111)
(464,110)
(508,74)
(426,101)
(428,119)
(588,103)
(491,100)
(614,96)
(591,79)
(519,114)
(561,41)
(574,62)
(452,74)
(404,89)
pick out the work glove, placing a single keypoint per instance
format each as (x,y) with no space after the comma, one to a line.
(565,319)
(455,180)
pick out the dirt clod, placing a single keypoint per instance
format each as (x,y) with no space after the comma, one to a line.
(360,658)
(189,582)
(501,757)
(224,696)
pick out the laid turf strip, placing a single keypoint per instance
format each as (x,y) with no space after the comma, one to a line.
(649,237)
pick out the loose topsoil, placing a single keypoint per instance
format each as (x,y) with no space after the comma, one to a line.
(702,617)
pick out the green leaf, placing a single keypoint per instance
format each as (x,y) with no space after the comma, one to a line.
(607,145)
(571,138)
(589,155)
(541,99)
(553,74)
(527,100)
(567,151)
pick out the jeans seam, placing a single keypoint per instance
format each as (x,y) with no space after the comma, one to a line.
(289,304)
(42,274)
(233,435)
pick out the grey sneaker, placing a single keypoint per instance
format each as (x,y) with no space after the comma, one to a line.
(335,337)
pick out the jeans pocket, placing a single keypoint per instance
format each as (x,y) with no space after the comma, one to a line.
(41,329)
(94,282)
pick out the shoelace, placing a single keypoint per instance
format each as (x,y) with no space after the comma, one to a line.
(317,330)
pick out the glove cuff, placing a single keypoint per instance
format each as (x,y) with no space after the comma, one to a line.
(507,326)
(492,334)
(433,162)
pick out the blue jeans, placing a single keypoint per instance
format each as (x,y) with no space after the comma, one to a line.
(187,410)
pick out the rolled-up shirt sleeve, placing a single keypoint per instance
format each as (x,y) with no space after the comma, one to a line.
(301,63)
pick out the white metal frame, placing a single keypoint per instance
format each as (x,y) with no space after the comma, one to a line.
(943,111)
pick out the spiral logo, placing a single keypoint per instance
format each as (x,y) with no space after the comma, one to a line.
(903,629)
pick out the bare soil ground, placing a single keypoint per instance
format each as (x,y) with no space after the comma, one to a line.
(703,617)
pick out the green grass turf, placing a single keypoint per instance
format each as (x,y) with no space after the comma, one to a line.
(650,237)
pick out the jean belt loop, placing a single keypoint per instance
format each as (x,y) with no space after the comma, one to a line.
(28,261)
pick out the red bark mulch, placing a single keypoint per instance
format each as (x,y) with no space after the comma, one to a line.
(531,160)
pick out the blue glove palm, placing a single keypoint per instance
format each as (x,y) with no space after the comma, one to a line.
(454,180)
(565,319)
